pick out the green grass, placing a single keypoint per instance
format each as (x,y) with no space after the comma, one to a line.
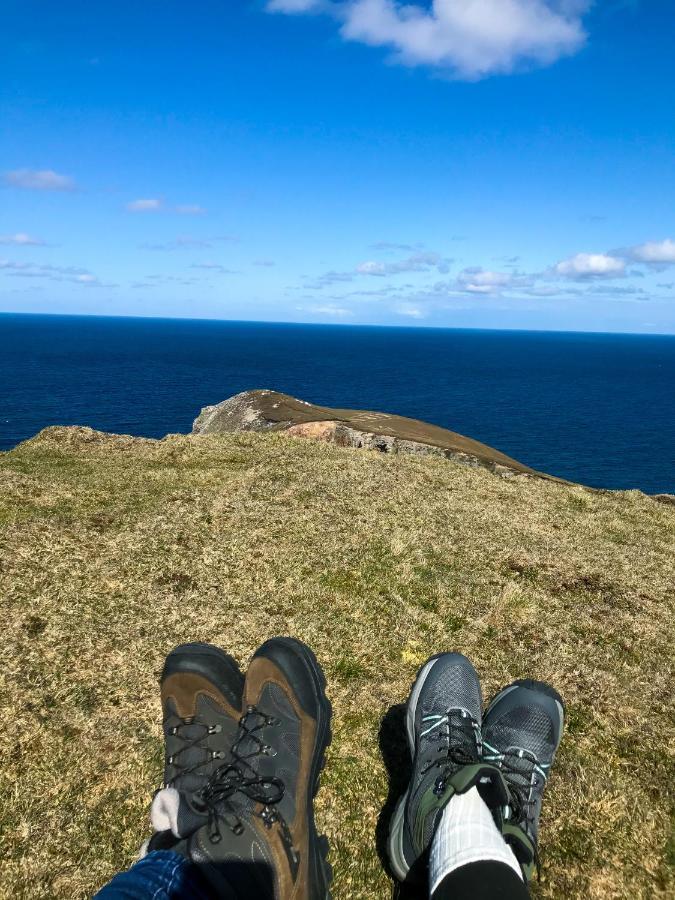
(113,550)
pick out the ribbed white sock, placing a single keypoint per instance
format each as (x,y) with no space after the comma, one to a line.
(466,834)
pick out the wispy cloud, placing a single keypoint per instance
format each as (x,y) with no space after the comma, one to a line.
(21,239)
(74,274)
(157,204)
(190,209)
(468,38)
(410,310)
(326,309)
(591,265)
(146,204)
(418,262)
(264,263)
(188,242)
(392,245)
(38,180)
(214,267)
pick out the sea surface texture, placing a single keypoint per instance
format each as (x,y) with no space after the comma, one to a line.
(594,408)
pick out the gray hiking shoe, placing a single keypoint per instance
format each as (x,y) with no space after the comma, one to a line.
(522,730)
(250,829)
(443,723)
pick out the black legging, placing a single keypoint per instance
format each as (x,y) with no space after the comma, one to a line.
(483,880)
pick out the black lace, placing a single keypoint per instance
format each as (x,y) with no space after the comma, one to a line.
(460,734)
(191,742)
(239,776)
(521,801)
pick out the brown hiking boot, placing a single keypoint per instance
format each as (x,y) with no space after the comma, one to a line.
(251,829)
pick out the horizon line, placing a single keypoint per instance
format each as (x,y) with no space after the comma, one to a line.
(417,327)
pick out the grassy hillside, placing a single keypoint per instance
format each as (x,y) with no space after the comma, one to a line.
(113,550)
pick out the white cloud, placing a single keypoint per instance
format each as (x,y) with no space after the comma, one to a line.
(371,267)
(326,309)
(190,209)
(483,281)
(21,239)
(39,180)
(591,265)
(264,263)
(145,204)
(660,253)
(156,204)
(470,38)
(413,312)
(86,279)
(418,262)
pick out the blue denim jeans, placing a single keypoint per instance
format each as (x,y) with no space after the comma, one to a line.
(161,875)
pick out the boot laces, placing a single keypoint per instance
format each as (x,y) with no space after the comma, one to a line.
(193,734)
(239,776)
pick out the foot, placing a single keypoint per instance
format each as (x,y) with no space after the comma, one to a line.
(201,689)
(522,729)
(255,834)
(444,725)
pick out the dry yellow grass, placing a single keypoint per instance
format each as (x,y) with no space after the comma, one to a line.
(113,550)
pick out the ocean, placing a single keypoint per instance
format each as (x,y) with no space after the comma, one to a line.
(594,408)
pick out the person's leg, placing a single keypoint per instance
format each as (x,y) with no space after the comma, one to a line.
(483,880)
(161,875)
(469,857)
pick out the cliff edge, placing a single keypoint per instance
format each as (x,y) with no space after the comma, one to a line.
(266,410)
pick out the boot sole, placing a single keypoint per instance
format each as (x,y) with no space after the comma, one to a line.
(399,864)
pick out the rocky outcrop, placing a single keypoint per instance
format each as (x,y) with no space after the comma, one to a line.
(272,411)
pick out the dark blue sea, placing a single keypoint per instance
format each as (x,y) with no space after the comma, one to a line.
(593,408)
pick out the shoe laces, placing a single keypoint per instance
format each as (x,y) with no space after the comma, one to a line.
(193,735)
(239,776)
(458,736)
(524,775)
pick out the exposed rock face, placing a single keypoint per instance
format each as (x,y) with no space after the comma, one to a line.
(272,411)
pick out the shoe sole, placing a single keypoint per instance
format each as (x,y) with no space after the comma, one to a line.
(399,865)
(321,871)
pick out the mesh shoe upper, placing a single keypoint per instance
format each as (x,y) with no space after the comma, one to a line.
(522,730)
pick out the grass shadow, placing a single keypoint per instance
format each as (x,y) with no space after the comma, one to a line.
(396,757)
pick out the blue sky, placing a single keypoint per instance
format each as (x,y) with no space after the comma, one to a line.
(487,163)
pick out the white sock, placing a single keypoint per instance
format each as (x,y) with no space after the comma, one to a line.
(466,834)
